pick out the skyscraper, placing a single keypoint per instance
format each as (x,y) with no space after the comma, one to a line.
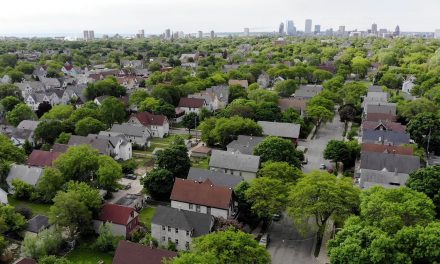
(281,29)
(246,32)
(167,33)
(341,30)
(437,34)
(308,27)
(397,31)
(88,35)
(91,34)
(200,34)
(212,34)
(374,28)
(317,29)
(291,30)
(140,34)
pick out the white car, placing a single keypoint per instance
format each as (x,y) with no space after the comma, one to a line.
(264,240)
(322,167)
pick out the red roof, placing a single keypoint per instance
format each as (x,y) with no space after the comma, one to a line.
(388,125)
(26,261)
(191,102)
(380,116)
(134,253)
(60,147)
(297,104)
(68,67)
(148,119)
(201,193)
(370,147)
(117,214)
(41,158)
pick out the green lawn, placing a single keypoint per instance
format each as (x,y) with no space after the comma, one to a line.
(37,208)
(146,215)
(84,254)
(200,163)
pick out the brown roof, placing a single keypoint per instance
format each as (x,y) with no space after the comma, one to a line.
(370,147)
(41,158)
(26,261)
(379,116)
(134,253)
(60,147)
(191,102)
(201,193)
(201,149)
(117,214)
(242,83)
(386,124)
(296,104)
(148,119)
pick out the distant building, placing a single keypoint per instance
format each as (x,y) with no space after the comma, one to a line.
(168,33)
(374,28)
(200,34)
(246,32)
(281,29)
(212,34)
(140,34)
(397,31)
(317,29)
(341,30)
(88,35)
(308,27)
(437,34)
(291,30)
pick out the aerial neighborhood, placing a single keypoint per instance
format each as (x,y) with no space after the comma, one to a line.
(220,150)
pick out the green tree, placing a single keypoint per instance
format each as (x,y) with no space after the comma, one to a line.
(409,109)
(175,160)
(9,90)
(108,86)
(319,115)
(391,80)
(9,102)
(190,121)
(52,259)
(282,171)
(16,76)
(236,92)
(48,241)
(22,190)
(87,194)
(337,151)
(78,163)
(268,196)
(85,112)
(48,131)
(109,173)
(112,111)
(424,128)
(106,241)
(191,258)
(321,101)
(19,113)
(159,183)
(10,220)
(279,149)
(427,181)
(138,96)
(149,104)
(262,95)
(59,112)
(63,138)
(9,152)
(49,184)
(360,66)
(89,125)
(319,195)
(286,88)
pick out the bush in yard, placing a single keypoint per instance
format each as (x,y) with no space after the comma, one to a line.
(48,242)
(106,241)
(23,191)
(24,211)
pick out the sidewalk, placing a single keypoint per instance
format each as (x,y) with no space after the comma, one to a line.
(323,258)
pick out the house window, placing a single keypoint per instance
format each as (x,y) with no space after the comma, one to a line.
(169,239)
(176,241)
(198,208)
(163,228)
(187,245)
(208,210)
(163,238)
(187,233)
(177,230)
(191,206)
(169,228)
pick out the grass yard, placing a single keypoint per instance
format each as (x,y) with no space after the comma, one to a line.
(84,254)
(146,215)
(37,208)
(200,163)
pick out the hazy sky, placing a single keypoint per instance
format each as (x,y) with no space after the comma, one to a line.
(127,16)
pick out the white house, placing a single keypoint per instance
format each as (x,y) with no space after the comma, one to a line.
(138,135)
(158,125)
(192,105)
(122,148)
(235,164)
(408,85)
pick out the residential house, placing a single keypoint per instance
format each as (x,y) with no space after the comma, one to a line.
(200,152)
(5,79)
(408,85)
(383,125)
(41,158)
(307,92)
(385,137)
(158,125)
(375,88)
(189,57)
(18,136)
(36,224)
(62,148)
(192,105)
(39,72)
(50,83)
(401,150)
(133,253)
(122,148)
(179,226)
(375,97)
(376,117)
(135,201)
(244,144)
(28,87)
(28,125)
(263,80)
(203,197)
(380,108)
(33,100)
(68,69)
(384,178)
(100,99)
(216,97)
(242,83)
(123,220)
(235,164)
(103,146)
(389,162)
(28,174)
(135,64)
(216,177)
(137,135)
(293,103)
(285,130)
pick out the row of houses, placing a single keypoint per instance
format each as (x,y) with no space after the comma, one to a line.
(386,159)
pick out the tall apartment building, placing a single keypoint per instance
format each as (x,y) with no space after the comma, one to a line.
(308,27)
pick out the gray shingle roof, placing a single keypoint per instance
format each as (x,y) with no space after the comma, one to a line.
(37,223)
(385,136)
(27,174)
(308,91)
(127,129)
(234,161)
(285,130)
(200,224)
(389,162)
(386,179)
(102,145)
(28,124)
(244,144)
(375,88)
(380,107)
(217,178)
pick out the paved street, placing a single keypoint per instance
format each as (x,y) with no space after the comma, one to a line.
(297,249)
(316,146)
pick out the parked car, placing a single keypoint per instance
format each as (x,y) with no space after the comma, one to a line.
(322,167)
(128,186)
(277,217)
(305,160)
(264,241)
(131,176)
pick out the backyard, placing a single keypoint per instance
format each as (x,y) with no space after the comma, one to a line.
(84,254)
(146,215)
(37,208)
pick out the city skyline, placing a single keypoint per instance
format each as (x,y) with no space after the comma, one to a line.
(155,16)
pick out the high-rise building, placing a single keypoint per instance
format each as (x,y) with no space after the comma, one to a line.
(281,29)
(88,35)
(341,30)
(168,33)
(140,34)
(374,28)
(246,32)
(437,34)
(397,31)
(317,29)
(200,34)
(91,34)
(308,27)
(291,30)
(212,34)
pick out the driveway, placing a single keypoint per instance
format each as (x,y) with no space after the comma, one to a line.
(136,188)
(287,246)
(317,145)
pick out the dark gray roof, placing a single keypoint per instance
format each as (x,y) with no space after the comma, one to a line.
(385,136)
(234,161)
(244,144)
(37,223)
(200,224)
(285,130)
(128,129)
(375,88)
(389,162)
(216,177)
(102,145)
(380,107)
(308,91)
(386,179)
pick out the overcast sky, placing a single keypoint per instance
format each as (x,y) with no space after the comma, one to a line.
(37,17)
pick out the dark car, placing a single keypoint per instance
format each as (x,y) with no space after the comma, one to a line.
(131,176)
